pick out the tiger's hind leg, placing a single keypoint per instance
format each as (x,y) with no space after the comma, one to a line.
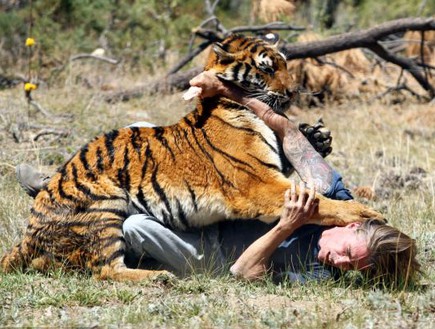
(45,263)
(112,256)
(106,261)
(119,272)
(19,257)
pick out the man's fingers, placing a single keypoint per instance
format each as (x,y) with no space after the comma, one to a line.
(192,92)
(311,198)
(197,80)
(293,197)
(302,194)
(286,196)
(311,194)
(312,208)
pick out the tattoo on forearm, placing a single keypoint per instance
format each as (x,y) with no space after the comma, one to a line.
(309,164)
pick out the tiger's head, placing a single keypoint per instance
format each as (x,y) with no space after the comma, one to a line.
(256,66)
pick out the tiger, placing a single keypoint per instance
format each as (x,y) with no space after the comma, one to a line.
(218,162)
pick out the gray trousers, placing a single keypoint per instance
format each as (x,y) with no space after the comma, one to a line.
(151,245)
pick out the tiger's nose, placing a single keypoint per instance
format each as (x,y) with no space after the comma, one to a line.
(290,93)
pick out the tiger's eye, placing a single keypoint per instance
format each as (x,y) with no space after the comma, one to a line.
(267,69)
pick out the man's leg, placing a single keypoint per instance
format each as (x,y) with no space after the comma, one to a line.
(183,253)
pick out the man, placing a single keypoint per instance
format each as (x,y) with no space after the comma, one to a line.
(286,249)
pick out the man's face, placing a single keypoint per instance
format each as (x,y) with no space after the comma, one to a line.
(344,248)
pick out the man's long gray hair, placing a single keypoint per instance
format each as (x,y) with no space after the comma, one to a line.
(392,254)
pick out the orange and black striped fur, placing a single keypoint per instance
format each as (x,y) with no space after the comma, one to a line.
(218,162)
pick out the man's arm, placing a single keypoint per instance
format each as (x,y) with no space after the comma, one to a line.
(309,164)
(254,262)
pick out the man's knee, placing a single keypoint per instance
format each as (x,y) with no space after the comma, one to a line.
(137,228)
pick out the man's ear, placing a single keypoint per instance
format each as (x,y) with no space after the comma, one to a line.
(353,225)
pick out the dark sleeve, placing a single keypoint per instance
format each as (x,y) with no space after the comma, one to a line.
(316,272)
(337,191)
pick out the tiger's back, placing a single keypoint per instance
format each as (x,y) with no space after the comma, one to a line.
(220,161)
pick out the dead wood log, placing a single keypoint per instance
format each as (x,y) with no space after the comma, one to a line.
(212,36)
(179,81)
(369,38)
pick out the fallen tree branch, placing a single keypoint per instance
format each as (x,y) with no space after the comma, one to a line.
(179,81)
(58,69)
(275,26)
(212,36)
(400,87)
(404,63)
(358,39)
(190,56)
(369,39)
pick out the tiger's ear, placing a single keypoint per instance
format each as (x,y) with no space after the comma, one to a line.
(221,53)
(271,38)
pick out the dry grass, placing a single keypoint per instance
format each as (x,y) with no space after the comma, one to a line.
(375,145)
(272,10)
(413,47)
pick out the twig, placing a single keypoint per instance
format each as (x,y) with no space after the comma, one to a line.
(45,132)
(334,65)
(412,92)
(405,64)
(210,8)
(422,55)
(37,106)
(100,58)
(58,69)
(399,78)
(421,7)
(403,86)
(430,67)
(189,57)
(4,164)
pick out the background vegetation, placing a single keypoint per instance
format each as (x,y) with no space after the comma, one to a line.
(386,145)
(153,33)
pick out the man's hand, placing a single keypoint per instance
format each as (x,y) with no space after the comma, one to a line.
(297,209)
(207,84)
(254,261)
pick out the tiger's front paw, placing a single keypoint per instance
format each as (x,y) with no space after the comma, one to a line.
(319,136)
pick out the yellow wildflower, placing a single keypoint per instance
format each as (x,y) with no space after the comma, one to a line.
(30,42)
(30,86)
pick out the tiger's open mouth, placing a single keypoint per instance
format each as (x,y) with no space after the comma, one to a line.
(278,102)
